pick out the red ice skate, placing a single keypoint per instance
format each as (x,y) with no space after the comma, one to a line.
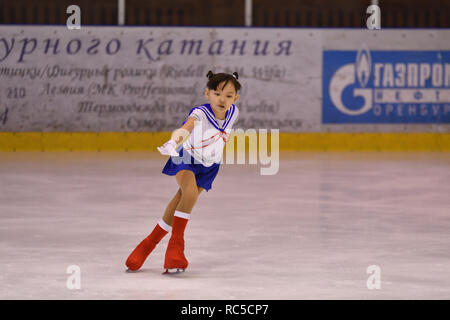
(175,261)
(141,252)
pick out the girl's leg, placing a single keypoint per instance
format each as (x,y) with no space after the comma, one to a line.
(170,209)
(189,190)
(172,206)
(146,246)
(175,258)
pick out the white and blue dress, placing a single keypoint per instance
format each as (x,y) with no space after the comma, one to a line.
(202,152)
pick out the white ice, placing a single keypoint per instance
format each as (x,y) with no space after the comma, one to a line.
(309,232)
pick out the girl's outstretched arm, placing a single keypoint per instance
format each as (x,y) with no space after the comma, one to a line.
(182,133)
(178,137)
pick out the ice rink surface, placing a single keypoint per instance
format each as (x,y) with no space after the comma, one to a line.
(309,232)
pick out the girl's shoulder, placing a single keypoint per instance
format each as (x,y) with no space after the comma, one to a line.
(199,110)
(236,108)
(234,111)
(199,113)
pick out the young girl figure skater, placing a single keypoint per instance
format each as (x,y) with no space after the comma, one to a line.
(196,153)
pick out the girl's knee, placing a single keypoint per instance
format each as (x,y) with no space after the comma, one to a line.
(190,194)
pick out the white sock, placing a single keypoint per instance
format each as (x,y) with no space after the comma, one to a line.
(164,225)
(183,215)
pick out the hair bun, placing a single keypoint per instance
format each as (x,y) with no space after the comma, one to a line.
(210,74)
(235,74)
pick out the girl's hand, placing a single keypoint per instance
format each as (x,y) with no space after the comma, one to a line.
(168,148)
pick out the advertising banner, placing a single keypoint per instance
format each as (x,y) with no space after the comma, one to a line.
(386,87)
(147,79)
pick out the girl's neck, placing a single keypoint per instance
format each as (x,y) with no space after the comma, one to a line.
(218,117)
(215,114)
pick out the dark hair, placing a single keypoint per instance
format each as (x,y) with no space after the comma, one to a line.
(216,78)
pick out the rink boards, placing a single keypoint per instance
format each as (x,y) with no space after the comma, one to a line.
(132,141)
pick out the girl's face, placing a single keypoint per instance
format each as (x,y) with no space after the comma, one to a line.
(222,98)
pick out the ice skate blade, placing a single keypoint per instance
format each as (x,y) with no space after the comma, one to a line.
(174,271)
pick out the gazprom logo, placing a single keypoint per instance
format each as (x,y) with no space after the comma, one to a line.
(363,65)
(386,86)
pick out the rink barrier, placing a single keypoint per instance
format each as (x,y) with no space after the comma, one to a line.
(148,141)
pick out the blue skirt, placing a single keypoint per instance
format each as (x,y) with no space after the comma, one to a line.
(204,176)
